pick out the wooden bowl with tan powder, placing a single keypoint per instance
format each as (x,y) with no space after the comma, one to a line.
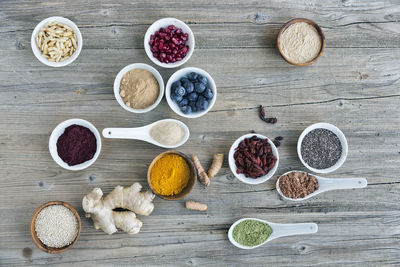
(293,57)
(35,237)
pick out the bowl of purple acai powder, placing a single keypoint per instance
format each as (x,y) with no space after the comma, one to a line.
(75,144)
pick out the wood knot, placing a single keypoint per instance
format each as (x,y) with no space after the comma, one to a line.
(302,249)
(19,45)
(105,12)
(258,18)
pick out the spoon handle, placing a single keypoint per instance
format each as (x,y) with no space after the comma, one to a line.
(294,229)
(344,183)
(125,133)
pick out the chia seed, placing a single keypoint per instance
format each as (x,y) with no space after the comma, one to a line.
(321,149)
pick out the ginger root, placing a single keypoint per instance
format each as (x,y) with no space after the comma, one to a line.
(101,210)
(193,205)
(216,165)
(203,177)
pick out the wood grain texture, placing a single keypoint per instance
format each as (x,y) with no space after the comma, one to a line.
(355,85)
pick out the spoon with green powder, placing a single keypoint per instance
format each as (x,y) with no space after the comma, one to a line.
(168,133)
(249,233)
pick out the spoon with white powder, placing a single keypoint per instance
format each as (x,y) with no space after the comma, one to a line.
(168,133)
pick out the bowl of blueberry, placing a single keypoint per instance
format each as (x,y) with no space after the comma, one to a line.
(169,42)
(191,92)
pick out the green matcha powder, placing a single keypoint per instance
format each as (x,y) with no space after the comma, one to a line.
(251,233)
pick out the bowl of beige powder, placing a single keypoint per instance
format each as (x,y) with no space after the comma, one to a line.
(138,88)
(301,42)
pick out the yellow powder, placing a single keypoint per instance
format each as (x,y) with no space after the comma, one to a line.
(300,42)
(169,175)
(139,88)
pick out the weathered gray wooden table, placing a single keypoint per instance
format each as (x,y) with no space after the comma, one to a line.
(355,86)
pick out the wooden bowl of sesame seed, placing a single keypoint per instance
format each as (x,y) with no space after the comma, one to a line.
(36,238)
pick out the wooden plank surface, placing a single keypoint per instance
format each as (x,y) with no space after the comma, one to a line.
(355,86)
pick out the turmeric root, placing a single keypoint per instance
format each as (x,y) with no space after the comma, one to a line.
(203,177)
(101,210)
(216,165)
(193,205)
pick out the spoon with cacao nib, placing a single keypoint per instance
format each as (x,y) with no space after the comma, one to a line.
(299,185)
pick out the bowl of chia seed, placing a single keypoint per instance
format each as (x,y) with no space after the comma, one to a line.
(322,148)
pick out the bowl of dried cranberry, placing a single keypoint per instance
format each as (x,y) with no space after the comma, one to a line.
(253,158)
(169,42)
(191,92)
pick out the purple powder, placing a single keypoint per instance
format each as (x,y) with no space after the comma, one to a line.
(76,145)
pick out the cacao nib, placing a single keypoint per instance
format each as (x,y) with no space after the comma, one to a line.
(253,157)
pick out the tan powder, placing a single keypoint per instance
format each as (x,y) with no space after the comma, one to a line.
(300,42)
(139,89)
(167,133)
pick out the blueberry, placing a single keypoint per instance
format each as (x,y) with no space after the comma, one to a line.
(184,102)
(184,80)
(186,109)
(201,103)
(192,104)
(199,87)
(189,87)
(193,76)
(192,96)
(176,98)
(202,79)
(180,91)
(175,85)
(208,93)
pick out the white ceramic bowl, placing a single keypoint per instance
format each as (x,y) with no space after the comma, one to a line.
(162,23)
(117,83)
(37,52)
(241,176)
(180,74)
(59,130)
(338,133)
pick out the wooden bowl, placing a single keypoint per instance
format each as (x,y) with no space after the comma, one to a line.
(312,23)
(192,178)
(39,243)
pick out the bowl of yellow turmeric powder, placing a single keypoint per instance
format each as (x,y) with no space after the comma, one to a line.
(172,175)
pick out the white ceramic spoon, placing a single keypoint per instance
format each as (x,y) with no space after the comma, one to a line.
(278,230)
(143,133)
(327,184)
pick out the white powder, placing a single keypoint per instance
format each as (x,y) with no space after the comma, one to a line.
(56,226)
(167,133)
(300,42)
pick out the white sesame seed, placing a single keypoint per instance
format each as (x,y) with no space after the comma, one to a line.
(56,226)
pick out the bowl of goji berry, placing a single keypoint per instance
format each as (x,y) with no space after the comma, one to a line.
(253,158)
